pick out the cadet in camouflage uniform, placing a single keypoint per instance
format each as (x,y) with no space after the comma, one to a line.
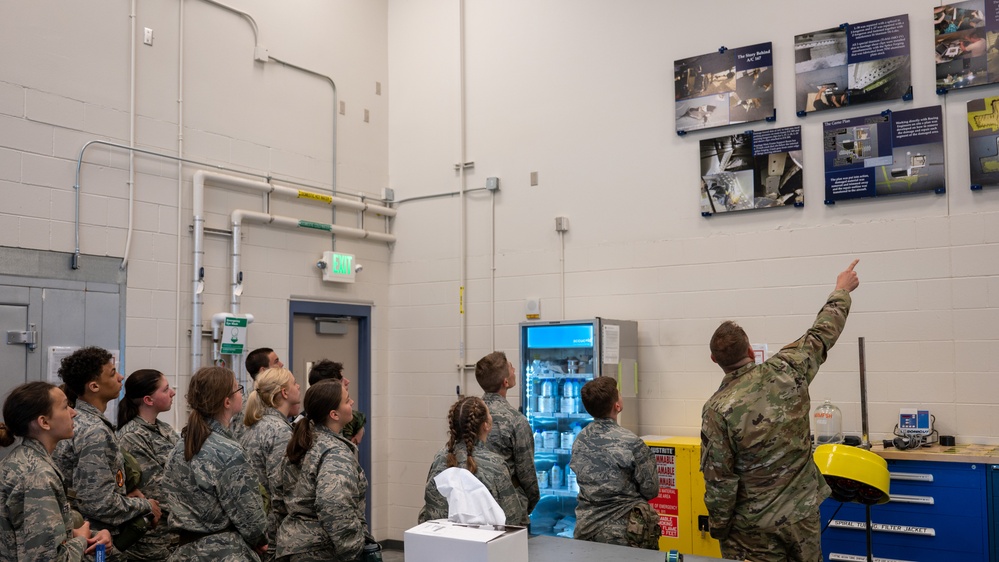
(149,440)
(325,370)
(36,524)
(469,423)
(763,488)
(256,361)
(511,437)
(91,462)
(276,396)
(616,473)
(213,492)
(325,519)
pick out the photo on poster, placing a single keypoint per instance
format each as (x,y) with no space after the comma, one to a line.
(983,141)
(964,44)
(886,154)
(851,65)
(723,88)
(752,170)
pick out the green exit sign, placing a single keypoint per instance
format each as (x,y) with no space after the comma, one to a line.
(339,268)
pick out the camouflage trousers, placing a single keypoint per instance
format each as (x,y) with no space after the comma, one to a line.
(797,542)
(643,527)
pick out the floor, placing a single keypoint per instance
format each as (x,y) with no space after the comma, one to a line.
(392,556)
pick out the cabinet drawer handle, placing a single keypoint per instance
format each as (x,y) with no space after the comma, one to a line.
(837,557)
(884,528)
(911,476)
(922,500)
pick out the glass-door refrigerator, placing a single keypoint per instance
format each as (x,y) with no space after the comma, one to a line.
(556,359)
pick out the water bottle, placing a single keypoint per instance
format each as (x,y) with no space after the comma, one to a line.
(556,477)
(828,424)
(539,439)
(568,402)
(547,403)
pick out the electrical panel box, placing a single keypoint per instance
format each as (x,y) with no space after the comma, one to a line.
(914,422)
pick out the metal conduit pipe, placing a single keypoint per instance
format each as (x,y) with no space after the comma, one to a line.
(197,281)
(239,216)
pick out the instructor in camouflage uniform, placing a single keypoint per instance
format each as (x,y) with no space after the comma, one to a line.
(511,436)
(763,489)
(616,474)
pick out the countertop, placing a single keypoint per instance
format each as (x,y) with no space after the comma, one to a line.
(962,452)
(556,549)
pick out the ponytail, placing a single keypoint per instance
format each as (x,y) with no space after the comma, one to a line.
(206,395)
(138,385)
(465,419)
(321,399)
(195,434)
(301,441)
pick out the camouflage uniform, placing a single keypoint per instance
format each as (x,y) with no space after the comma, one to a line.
(355,425)
(92,466)
(326,509)
(150,444)
(35,521)
(490,470)
(511,438)
(216,494)
(236,426)
(755,451)
(617,477)
(266,443)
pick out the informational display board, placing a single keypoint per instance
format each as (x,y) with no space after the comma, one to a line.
(752,170)
(983,141)
(852,64)
(724,87)
(884,154)
(963,33)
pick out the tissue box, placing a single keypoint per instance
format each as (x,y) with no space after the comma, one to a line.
(444,541)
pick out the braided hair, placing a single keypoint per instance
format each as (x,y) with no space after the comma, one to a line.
(465,421)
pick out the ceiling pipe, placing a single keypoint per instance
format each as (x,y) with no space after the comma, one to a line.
(197,281)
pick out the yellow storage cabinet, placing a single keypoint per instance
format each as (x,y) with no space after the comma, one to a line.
(681,496)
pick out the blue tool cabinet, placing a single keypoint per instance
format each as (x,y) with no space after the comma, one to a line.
(939,511)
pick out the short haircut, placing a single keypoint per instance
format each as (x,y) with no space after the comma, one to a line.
(81,367)
(729,344)
(599,396)
(491,371)
(325,370)
(258,360)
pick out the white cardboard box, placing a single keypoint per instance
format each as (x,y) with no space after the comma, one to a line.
(444,541)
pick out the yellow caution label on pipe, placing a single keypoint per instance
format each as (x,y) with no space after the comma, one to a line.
(302,194)
(461,300)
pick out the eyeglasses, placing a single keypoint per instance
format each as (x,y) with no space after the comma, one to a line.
(238,389)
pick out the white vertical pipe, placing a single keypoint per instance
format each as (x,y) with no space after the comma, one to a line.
(131,137)
(461,197)
(180,201)
(198,192)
